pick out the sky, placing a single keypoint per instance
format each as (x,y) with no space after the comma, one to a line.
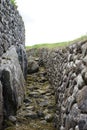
(51,21)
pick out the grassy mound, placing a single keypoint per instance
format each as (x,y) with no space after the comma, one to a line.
(57,45)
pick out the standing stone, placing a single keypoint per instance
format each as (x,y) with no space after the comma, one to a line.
(13,82)
(22,58)
(1,105)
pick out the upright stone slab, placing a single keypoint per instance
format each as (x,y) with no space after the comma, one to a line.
(13,82)
(1,105)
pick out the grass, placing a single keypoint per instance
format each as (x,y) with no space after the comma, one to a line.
(57,45)
(14,3)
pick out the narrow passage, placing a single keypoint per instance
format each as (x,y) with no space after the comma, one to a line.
(37,112)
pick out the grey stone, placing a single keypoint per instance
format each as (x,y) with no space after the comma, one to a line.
(12,119)
(13,81)
(75,90)
(43,122)
(34,94)
(85,77)
(1,105)
(85,60)
(22,57)
(40,113)
(84,49)
(30,108)
(70,58)
(77,62)
(77,127)
(71,129)
(80,81)
(32,66)
(49,117)
(12,32)
(82,122)
(70,102)
(74,113)
(82,99)
(44,103)
(62,128)
(83,73)
(31,115)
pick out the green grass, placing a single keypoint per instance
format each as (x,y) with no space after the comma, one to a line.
(14,3)
(57,45)
(48,45)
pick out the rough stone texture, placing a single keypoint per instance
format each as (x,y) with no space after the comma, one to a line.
(13,82)
(33,65)
(11,26)
(22,58)
(12,31)
(1,105)
(13,60)
(67,73)
(38,55)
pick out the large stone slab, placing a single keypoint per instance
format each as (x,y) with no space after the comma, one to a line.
(1,105)
(12,81)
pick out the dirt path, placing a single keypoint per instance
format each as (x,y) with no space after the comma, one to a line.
(38,109)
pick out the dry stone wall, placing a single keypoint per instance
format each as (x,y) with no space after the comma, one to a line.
(67,72)
(11,26)
(12,31)
(13,60)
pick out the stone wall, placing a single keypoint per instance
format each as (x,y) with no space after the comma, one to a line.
(13,61)
(67,73)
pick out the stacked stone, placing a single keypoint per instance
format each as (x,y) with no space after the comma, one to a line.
(34,52)
(40,53)
(67,72)
(12,60)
